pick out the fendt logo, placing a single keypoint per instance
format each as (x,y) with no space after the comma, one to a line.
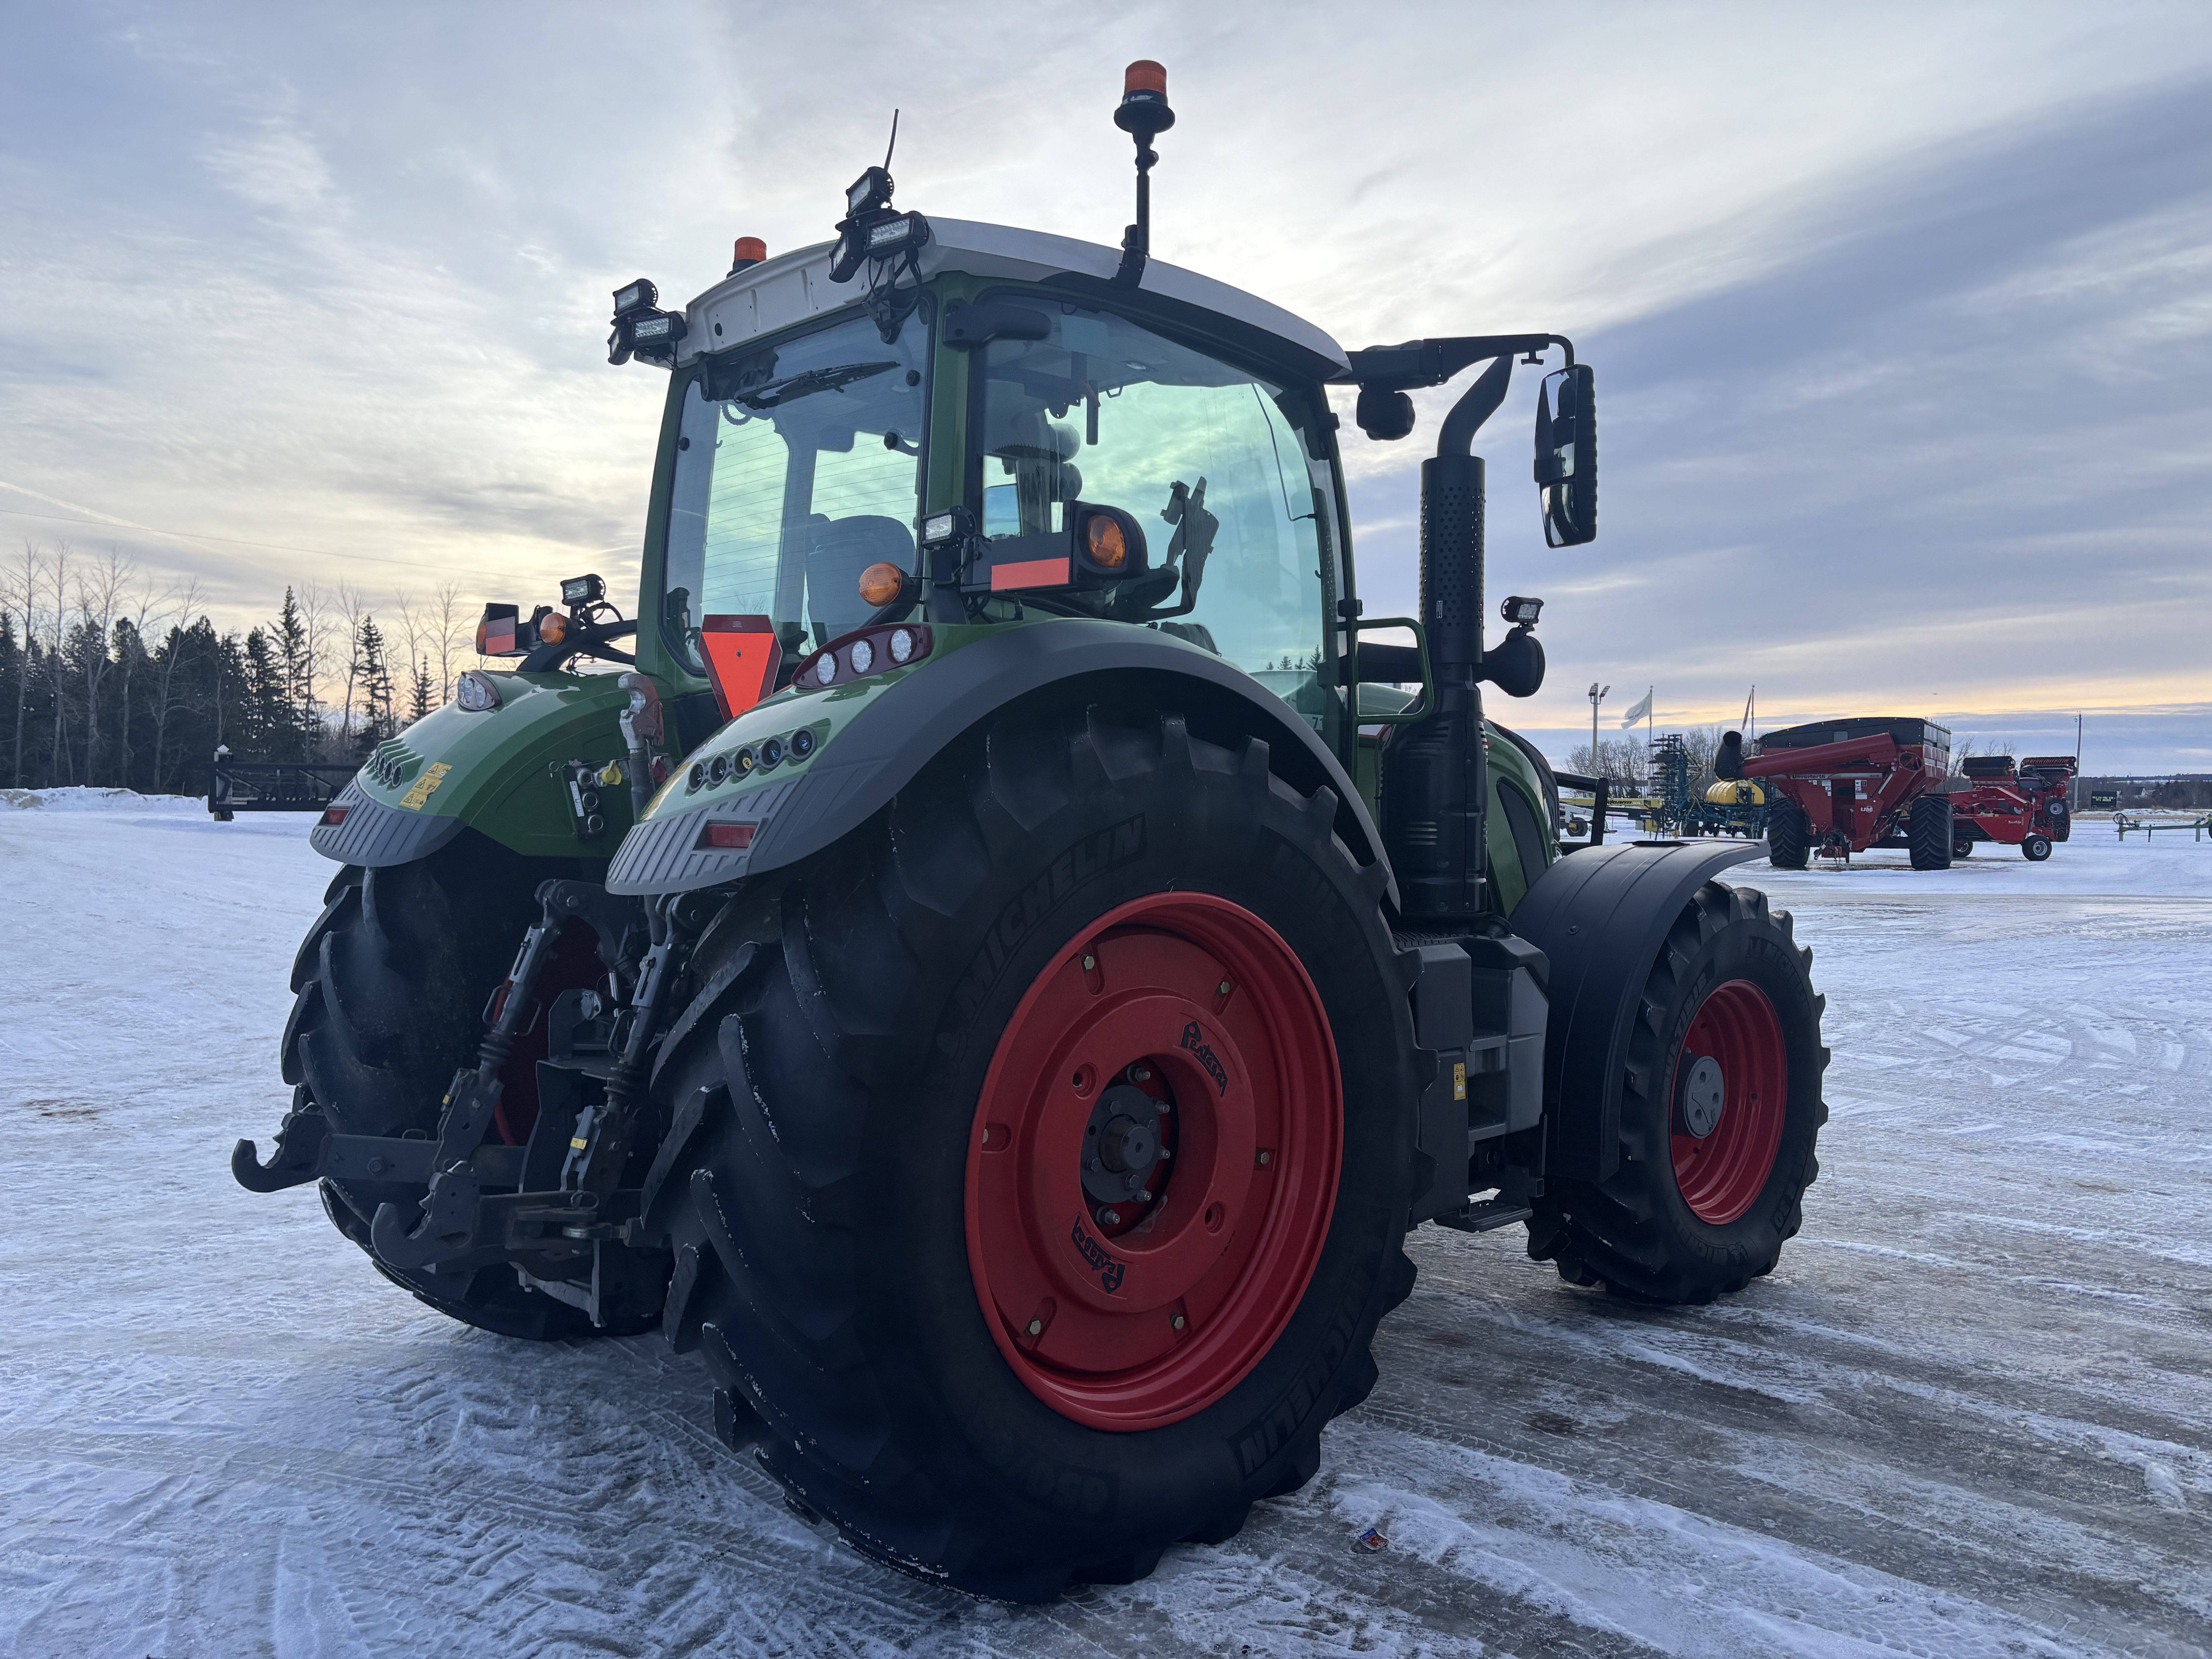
(1194,1040)
(1109,1270)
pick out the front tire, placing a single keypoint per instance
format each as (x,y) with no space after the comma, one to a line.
(1720,1111)
(391,983)
(951,1342)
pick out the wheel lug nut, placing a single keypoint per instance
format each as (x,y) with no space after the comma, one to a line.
(1089,963)
(1175,1323)
(1264,1157)
(1139,1074)
(1036,1327)
(1109,1218)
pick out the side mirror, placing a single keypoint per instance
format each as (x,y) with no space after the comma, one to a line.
(1566,455)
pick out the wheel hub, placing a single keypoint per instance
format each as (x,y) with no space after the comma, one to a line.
(1703,1095)
(1122,1145)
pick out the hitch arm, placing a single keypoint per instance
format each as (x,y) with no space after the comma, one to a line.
(296,1161)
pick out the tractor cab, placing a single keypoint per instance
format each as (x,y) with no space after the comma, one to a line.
(1020,441)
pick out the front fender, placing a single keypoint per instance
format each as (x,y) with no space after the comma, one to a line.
(875,736)
(493,771)
(1600,916)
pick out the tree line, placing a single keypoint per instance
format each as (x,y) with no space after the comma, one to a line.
(108,680)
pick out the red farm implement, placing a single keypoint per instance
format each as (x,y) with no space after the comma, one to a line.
(1848,784)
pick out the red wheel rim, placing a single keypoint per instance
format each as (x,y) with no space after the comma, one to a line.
(1722,1174)
(1146,1322)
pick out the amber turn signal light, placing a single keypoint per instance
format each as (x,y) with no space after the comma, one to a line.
(1109,549)
(552,628)
(880,584)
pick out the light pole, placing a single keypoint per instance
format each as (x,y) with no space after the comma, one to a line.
(1597,695)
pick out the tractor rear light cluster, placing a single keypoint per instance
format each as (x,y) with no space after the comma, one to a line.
(335,815)
(725,837)
(868,650)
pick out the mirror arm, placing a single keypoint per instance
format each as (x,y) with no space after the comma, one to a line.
(1431,362)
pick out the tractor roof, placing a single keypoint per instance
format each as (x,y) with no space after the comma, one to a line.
(791,286)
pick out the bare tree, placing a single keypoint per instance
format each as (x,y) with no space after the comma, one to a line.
(99,592)
(348,605)
(448,599)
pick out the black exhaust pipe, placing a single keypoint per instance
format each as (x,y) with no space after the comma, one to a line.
(1435,784)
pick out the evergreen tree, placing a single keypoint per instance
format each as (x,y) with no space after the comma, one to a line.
(267,730)
(15,672)
(296,662)
(419,697)
(372,675)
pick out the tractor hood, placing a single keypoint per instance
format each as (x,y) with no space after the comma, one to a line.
(792,287)
(499,771)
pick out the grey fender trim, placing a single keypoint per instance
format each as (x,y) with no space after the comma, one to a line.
(374,835)
(890,743)
(1600,916)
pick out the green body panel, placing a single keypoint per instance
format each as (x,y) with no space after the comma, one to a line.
(1509,768)
(501,766)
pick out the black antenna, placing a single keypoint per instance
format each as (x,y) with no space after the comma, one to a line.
(894,143)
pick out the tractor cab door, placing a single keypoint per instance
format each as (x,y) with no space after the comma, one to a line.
(1214,462)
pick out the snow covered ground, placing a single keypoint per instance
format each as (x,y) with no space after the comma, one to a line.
(1971,1414)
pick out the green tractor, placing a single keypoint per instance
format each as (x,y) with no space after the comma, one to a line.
(1001,970)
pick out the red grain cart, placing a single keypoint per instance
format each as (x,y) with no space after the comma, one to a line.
(1848,784)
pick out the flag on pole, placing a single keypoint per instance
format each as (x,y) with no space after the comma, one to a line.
(1637,712)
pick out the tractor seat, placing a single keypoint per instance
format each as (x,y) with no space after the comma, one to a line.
(838,551)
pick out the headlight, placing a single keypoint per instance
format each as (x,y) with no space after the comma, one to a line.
(476,691)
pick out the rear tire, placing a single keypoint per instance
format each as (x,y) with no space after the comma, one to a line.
(391,983)
(838,1088)
(1684,1217)
(2035,846)
(1930,834)
(1788,836)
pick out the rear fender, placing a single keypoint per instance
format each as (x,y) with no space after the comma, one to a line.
(875,735)
(1600,916)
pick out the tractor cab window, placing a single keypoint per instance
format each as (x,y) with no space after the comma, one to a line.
(797,468)
(1209,460)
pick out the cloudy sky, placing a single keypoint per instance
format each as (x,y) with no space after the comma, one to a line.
(1902,316)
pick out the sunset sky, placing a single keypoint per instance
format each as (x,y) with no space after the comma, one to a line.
(1901,315)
